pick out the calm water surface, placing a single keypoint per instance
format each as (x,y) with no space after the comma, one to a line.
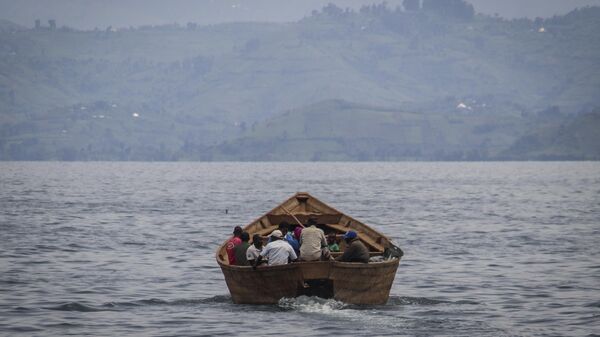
(108,249)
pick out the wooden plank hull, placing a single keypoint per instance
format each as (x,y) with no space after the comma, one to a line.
(353,283)
(363,283)
(262,286)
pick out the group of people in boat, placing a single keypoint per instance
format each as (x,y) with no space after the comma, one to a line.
(285,246)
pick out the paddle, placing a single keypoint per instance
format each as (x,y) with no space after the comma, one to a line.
(293,216)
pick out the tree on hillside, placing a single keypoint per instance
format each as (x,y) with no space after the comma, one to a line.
(375,9)
(411,5)
(332,10)
(458,9)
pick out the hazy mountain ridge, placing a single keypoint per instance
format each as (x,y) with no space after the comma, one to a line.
(170,92)
(84,14)
(575,138)
(340,131)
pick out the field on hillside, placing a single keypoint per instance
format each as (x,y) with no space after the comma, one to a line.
(434,87)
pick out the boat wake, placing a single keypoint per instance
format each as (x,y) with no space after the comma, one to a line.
(77,306)
(321,305)
(311,304)
(120,306)
(376,317)
(424,301)
(304,304)
(330,309)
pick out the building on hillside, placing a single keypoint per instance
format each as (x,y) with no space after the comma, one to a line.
(51,25)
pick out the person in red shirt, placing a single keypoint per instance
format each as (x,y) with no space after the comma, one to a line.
(234,241)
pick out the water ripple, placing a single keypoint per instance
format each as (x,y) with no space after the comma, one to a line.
(492,249)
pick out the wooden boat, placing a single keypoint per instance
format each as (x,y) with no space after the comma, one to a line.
(354,283)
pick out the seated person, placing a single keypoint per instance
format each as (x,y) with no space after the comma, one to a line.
(254,250)
(234,241)
(297,233)
(355,251)
(240,250)
(313,245)
(288,236)
(332,242)
(278,251)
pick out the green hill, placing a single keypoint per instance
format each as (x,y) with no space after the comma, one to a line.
(339,130)
(194,88)
(577,138)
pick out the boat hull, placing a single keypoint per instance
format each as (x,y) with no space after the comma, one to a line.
(353,283)
(261,286)
(359,283)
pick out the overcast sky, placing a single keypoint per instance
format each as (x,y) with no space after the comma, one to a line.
(87,14)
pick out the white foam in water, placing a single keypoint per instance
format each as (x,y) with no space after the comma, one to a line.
(311,304)
(340,310)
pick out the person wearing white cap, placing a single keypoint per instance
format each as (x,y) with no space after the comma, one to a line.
(277,251)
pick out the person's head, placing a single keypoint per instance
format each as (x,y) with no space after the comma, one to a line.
(349,236)
(276,235)
(331,238)
(237,231)
(284,227)
(297,232)
(245,237)
(311,222)
(257,240)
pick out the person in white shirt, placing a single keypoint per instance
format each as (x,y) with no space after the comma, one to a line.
(277,251)
(253,251)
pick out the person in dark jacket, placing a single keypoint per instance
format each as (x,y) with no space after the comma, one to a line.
(355,251)
(240,250)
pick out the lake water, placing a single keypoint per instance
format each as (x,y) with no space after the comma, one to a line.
(114,249)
